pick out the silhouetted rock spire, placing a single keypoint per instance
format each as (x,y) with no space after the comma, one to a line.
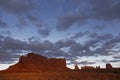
(108,66)
(76,67)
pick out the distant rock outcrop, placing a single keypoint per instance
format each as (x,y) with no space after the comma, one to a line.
(109,66)
(76,67)
(87,68)
(35,62)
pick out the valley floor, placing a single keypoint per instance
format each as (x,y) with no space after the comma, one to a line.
(68,75)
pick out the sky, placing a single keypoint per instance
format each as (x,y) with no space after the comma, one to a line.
(85,32)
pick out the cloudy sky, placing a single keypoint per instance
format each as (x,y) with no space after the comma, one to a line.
(85,32)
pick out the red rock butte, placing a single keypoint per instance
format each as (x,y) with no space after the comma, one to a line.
(35,62)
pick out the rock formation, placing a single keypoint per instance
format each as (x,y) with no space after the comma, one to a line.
(97,67)
(76,67)
(87,68)
(35,62)
(109,66)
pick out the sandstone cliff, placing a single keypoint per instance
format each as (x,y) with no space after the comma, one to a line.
(35,62)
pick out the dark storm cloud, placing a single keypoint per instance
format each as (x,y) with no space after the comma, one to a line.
(90,35)
(5,32)
(13,47)
(42,29)
(99,39)
(9,56)
(3,24)
(116,57)
(1,38)
(110,61)
(114,61)
(86,62)
(76,49)
(98,27)
(12,44)
(32,18)
(40,46)
(22,10)
(7,49)
(81,34)
(77,35)
(66,22)
(10,48)
(5,58)
(105,10)
(17,6)
(65,43)
(111,43)
(34,38)
(98,44)
(44,32)
(46,48)
(8,43)
(35,20)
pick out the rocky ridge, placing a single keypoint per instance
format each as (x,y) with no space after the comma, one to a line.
(35,62)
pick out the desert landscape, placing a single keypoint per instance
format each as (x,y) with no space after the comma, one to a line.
(37,67)
(59,39)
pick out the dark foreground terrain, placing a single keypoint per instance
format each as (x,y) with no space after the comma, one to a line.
(68,75)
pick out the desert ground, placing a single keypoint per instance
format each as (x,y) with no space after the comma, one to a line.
(55,75)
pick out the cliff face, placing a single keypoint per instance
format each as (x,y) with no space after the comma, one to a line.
(35,62)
